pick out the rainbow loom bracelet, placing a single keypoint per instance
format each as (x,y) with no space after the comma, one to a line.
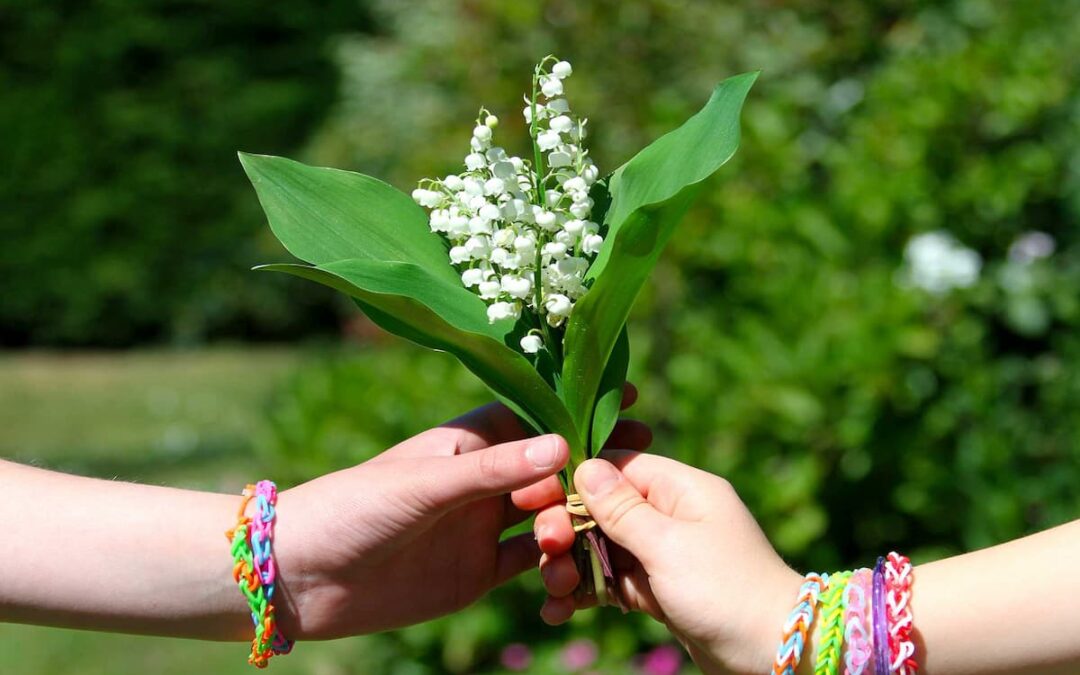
(262,535)
(798,623)
(898,580)
(830,628)
(250,583)
(858,649)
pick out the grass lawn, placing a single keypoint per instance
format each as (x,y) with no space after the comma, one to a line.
(150,416)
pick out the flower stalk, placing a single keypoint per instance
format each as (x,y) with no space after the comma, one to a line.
(522,238)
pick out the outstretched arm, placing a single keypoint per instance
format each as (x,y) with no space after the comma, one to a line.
(88,553)
(697,560)
(354,549)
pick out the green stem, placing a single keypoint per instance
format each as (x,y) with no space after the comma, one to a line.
(599,582)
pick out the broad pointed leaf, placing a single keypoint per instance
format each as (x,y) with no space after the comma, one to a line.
(649,195)
(404,299)
(609,398)
(323,215)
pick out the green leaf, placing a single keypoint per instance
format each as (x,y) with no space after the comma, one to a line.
(404,299)
(323,215)
(680,158)
(649,195)
(610,395)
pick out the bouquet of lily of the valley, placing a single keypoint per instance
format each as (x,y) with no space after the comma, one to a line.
(525,269)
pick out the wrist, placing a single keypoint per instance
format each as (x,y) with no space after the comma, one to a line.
(293,570)
(751,646)
(765,633)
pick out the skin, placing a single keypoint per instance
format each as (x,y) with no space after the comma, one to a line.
(691,555)
(410,535)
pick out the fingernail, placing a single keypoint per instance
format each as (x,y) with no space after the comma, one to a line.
(598,477)
(543,452)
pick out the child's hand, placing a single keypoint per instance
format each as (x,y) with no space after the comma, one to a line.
(693,557)
(414,533)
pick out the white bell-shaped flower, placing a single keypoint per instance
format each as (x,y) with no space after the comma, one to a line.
(554,249)
(574,226)
(473,187)
(558,106)
(459,225)
(472,277)
(559,159)
(503,310)
(551,86)
(525,246)
(489,211)
(581,209)
(503,169)
(576,184)
(458,255)
(532,343)
(478,246)
(561,124)
(478,225)
(548,140)
(489,289)
(517,287)
(592,243)
(503,238)
(557,305)
(544,218)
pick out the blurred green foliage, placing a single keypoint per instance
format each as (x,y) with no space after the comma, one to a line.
(777,343)
(126,217)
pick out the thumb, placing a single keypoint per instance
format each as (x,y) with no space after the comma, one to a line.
(450,482)
(624,515)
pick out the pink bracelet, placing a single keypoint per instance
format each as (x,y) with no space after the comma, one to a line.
(898,579)
(857,639)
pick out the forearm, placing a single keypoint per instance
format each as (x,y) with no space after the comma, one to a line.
(87,553)
(1004,609)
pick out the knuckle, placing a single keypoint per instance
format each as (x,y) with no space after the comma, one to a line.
(488,467)
(724,490)
(620,514)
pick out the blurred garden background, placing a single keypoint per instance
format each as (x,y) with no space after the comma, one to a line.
(869,324)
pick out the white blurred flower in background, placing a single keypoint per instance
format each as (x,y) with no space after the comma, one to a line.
(937,263)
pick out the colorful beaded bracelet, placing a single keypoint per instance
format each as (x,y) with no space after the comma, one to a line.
(254,570)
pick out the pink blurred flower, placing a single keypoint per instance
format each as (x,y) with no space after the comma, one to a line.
(579,654)
(516,657)
(663,660)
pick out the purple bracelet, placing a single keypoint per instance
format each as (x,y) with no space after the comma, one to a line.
(881,629)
